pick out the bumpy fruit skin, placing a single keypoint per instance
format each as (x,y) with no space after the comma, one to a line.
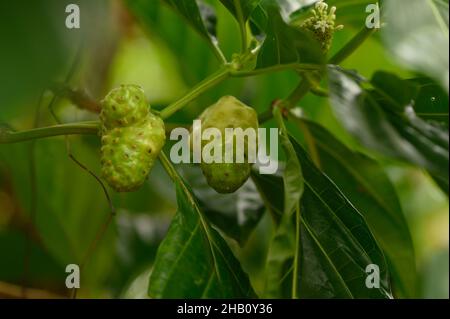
(123,106)
(228,112)
(131,137)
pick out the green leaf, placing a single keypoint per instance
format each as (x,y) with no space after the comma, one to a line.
(49,274)
(366,185)
(164,24)
(292,175)
(245,7)
(431,102)
(68,215)
(377,124)
(194,261)
(199,15)
(417,34)
(235,214)
(285,44)
(271,189)
(334,247)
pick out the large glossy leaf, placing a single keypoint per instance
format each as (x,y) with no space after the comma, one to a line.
(417,34)
(235,214)
(366,185)
(377,123)
(334,247)
(194,261)
(285,44)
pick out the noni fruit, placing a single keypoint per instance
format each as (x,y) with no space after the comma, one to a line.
(131,137)
(228,112)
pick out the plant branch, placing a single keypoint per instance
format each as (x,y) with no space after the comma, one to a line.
(196,91)
(352,45)
(305,84)
(276,68)
(242,26)
(300,91)
(78,97)
(7,136)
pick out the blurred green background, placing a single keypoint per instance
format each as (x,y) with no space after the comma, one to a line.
(119,43)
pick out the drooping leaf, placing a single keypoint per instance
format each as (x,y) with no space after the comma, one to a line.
(292,175)
(235,214)
(334,247)
(194,261)
(416,33)
(366,185)
(377,123)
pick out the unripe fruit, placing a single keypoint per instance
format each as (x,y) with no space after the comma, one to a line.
(131,137)
(228,112)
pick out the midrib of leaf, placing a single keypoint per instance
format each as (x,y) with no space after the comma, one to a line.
(322,250)
(230,268)
(174,174)
(182,252)
(339,221)
(207,284)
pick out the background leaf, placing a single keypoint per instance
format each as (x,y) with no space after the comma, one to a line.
(200,16)
(416,30)
(285,44)
(377,124)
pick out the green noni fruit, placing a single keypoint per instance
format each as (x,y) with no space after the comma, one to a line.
(131,137)
(228,112)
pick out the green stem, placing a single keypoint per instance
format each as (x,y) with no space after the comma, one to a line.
(305,85)
(42,132)
(242,26)
(196,91)
(276,68)
(299,92)
(211,81)
(168,167)
(352,45)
